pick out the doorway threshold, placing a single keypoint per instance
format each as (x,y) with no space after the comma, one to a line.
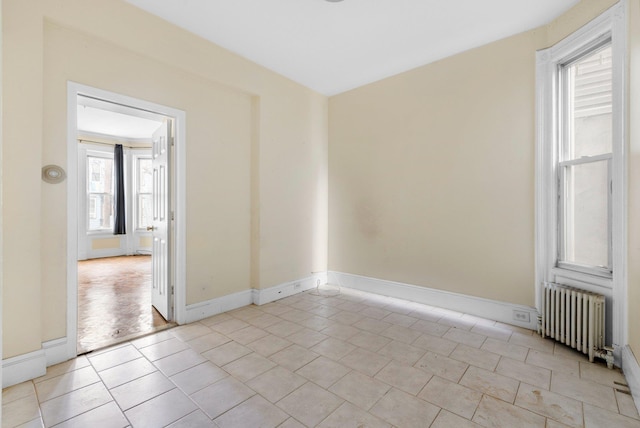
(119,340)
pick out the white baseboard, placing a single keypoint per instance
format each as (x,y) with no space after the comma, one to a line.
(267,295)
(56,351)
(478,306)
(202,310)
(23,368)
(110,252)
(631,371)
(34,364)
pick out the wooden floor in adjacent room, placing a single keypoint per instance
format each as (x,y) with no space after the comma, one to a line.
(114,301)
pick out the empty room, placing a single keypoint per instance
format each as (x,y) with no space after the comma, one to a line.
(358,213)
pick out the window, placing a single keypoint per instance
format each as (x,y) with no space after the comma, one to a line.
(144,189)
(584,160)
(580,158)
(100,192)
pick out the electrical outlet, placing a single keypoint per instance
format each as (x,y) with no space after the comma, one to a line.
(521,316)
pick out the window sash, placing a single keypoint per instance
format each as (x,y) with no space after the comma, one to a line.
(139,223)
(139,195)
(566,160)
(565,92)
(563,194)
(110,193)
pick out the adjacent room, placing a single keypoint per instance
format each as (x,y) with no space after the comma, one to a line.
(115,223)
(320,213)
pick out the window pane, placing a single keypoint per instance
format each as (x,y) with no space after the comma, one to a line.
(145,174)
(100,189)
(100,211)
(100,174)
(589,105)
(145,216)
(586,214)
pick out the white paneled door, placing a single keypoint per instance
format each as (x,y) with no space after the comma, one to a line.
(161,286)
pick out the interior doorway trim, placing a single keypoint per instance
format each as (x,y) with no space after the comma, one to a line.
(178,261)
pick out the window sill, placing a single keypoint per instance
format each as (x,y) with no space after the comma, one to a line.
(589,278)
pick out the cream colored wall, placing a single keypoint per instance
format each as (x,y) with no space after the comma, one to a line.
(304,183)
(1,210)
(431,174)
(22,160)
(414,196)
(145,241)
(432,171)
(217,142)
(255,147)
(105,243)
(634,178)
(575,18)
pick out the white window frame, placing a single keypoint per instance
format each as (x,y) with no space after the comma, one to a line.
(565,128)
(611,24)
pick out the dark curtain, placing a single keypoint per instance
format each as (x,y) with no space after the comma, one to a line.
(119,225)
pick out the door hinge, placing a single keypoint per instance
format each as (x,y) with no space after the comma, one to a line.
(172,289)
(173,217)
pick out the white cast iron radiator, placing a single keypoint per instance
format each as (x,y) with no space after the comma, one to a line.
(576,318)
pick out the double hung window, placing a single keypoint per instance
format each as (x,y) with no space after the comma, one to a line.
(144,192)
(581,154)
(584,168)
(100,189)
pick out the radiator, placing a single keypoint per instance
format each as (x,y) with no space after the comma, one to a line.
(576,318)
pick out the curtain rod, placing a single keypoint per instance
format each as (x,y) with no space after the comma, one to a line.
(83,140)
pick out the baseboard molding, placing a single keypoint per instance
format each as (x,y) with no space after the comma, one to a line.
(23,368)
(478,306)
(631,371)
(202,310)
(110,252)
(56,351)
(209,308)
(34,364)
(271,294)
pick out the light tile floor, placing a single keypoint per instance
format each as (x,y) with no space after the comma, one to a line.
(351,360)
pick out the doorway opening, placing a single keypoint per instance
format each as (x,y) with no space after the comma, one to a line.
(115,185)
(114,301)
(123,197)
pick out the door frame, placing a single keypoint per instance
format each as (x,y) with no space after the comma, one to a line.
(178,202)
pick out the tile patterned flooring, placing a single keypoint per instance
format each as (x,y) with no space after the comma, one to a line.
(351,360)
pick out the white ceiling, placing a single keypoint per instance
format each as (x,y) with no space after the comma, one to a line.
(333,47)
(105,119)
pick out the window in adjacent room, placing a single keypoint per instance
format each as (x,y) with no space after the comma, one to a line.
(144,191)
(100,188)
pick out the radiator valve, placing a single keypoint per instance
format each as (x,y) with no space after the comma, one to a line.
(606,353)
